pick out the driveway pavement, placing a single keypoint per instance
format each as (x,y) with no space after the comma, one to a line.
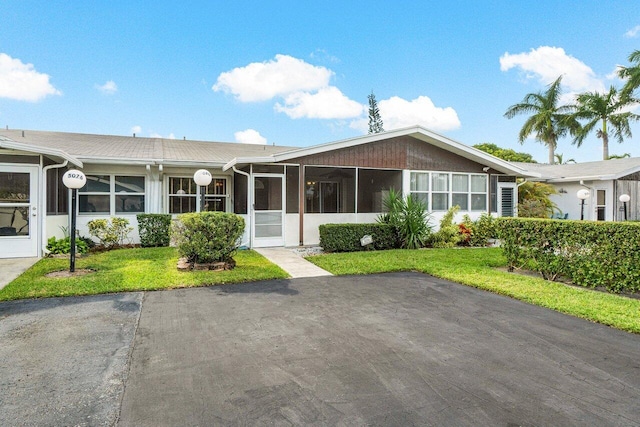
(394,349)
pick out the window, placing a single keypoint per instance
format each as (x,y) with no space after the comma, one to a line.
(112,194)
(442,189)
(420,187)
(57,199)
(330,190)
(373,188)
(183,195)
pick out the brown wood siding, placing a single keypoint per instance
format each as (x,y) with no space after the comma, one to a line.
(395,153)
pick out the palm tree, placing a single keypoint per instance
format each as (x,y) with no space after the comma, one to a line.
(631,74)
(548,120)
(606,109)
(560,159)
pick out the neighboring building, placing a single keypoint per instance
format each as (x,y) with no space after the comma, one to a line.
(283,193)
(606,181)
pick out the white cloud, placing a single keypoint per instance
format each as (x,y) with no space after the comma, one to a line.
(22,82)
(327,103)
(157,135)
(260,81)
(633,33)
(136,129)
(250,136)
(398,113)
(109,88)
(547,63)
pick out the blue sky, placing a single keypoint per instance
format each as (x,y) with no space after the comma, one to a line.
(298,73)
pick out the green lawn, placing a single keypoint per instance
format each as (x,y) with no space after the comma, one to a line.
(478,267)
(132,270)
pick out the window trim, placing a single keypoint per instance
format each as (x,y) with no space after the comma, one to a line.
(112,194)
(227,196)
(430,192)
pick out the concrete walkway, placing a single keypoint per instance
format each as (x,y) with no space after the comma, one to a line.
(292,263)
(10,268)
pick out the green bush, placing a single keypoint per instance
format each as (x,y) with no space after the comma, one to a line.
(111,233)
(592,254)
(448,235)
(478,232)
(154,229)
(409,217)
(208,237)
(346,237)
(63,246)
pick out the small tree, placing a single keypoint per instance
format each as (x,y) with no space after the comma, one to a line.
(375,121)
(533,200)
(507,154)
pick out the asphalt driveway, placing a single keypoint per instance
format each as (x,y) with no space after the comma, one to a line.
(393,349)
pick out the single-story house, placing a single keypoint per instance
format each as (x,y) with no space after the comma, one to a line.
(606,181)
(283,193)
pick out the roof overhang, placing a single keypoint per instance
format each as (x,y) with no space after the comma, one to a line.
(10,144)
(417,132)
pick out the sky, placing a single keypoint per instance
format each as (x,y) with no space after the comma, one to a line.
(298,73)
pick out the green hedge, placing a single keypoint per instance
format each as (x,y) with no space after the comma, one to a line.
(346,237)
(154,229)
(591,254)
(208,236)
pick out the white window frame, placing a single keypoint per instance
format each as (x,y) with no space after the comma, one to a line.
(197,195)
(112,194)
(450,191)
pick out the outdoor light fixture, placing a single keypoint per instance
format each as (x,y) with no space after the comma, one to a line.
(583,195)
(73,179)
(624,198)
(202,178)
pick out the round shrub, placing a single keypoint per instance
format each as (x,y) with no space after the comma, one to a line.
(207,237)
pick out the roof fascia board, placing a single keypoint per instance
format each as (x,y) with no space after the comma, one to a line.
(13,145)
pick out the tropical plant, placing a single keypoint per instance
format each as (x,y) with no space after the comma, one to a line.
(560,159)
(507,154)
(410,218)
(631,74)
(619,156)
(534,201)
(606,109)
(375,121)
(111,233)
(548,120)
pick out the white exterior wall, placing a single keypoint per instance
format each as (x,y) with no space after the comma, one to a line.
(292,229)
(568,202)
(54,225)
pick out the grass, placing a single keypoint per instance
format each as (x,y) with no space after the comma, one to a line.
(132,270)
(479,268)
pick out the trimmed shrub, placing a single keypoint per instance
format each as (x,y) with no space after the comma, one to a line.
(208,237)
(111,233)
(592,254)
(346,237)
(154,229)
(478,232)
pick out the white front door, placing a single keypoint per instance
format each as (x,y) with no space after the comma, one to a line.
(18,211)
(268,210)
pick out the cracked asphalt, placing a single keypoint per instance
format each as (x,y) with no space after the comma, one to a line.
(391,349)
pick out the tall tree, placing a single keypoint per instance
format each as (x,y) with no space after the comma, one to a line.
(548,121)
(375,121)
(507,154)
(631,74)
(606,109)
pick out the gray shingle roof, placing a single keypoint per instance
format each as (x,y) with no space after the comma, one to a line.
(603,169)
(88,147)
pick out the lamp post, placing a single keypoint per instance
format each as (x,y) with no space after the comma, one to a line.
(583,195)
(202,177)
(624,198)
(73,179)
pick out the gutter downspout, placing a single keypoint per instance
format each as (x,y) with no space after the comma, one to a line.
(43,207)
(249,208)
